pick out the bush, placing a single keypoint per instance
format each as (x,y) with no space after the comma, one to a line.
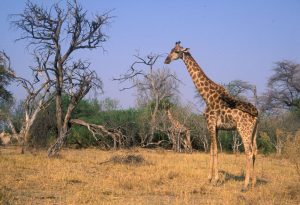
(292,151)
(264,143)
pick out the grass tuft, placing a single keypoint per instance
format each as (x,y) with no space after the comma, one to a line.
(6,197)
(131,159)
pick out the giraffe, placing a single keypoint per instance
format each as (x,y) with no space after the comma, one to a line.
(179,133)
(222,112)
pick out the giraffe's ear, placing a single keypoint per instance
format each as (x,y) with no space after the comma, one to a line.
(186,50)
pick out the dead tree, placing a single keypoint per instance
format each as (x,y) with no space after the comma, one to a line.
(38,95)
(116,135)
(283,87)
(6,76)
(61,32)
(153,86)
(80,80)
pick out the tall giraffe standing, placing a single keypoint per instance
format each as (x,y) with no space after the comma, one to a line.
(223,112)
(179,133)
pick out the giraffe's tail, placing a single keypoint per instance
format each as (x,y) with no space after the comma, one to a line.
(254,151)
(254,144)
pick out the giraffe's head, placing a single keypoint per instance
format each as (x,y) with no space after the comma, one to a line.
(176,53)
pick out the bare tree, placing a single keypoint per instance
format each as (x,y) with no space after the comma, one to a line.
(283,87)
(80,80)
(108,104)
(153,86)
(6,76)
(38,96)
(239,88)
(61,32)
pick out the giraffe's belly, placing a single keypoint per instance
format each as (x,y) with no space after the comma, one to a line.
(226,124)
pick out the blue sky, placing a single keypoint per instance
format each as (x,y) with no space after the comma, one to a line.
(229,39)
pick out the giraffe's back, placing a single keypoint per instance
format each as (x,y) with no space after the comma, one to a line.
(234,103)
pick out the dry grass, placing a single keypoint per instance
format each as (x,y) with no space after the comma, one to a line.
(139,176)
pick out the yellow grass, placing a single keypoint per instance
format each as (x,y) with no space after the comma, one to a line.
(81,177)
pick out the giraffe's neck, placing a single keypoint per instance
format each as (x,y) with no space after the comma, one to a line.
(204,85)
(170,115)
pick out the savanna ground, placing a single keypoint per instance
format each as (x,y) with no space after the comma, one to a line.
(139,176)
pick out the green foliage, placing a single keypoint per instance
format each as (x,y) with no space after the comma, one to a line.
(134,123)
(43,130)
(90,111)
(81,137)
(5,79)
(264,143)
(225,137)
(296,109)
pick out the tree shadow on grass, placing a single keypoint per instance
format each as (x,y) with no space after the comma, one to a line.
(231,177)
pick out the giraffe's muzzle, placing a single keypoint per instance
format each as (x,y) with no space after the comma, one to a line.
(168,60)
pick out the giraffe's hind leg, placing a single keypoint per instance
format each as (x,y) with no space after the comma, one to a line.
(248,165)
(246,135)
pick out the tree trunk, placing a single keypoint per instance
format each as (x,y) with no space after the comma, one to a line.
(235,143)
(172,138)
(178,144)
(11,125)
(63,133)
(55,148)
(153,121)
(220,144)
(25,131)
(204,142)
(278,148)
(115,143)
(58,101)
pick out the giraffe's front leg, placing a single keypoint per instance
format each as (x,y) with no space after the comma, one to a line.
(213,175)
(246,137)
(216,170)
(211,163)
